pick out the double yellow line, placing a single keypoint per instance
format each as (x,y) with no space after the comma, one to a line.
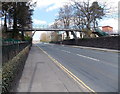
(80,82)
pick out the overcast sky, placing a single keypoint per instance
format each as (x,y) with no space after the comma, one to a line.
(46,11)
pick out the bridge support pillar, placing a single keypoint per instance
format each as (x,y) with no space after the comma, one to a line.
(33,33)
(75,37)
(67,34)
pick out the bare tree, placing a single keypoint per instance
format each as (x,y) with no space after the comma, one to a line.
(54,36)
(81,15)
(43,37)
(57,24)
(89,13)
(65,15)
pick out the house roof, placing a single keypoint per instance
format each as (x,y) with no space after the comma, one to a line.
(106,26)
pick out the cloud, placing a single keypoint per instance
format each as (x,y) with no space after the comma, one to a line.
(58,4)
(42,3)
(50,5)
(37,35)
(50,23)
(53,7)
(39,22)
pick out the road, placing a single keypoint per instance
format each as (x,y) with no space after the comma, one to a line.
(97,69)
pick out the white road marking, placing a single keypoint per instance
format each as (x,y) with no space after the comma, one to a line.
(88,57)
(65,51)
(82,56)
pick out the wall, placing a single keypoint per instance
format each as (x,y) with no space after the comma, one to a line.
(101,42)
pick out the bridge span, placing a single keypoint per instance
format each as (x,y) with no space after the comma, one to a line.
(46,29)
(49,29)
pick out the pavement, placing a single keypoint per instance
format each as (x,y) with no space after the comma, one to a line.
(98,49)
(41,74)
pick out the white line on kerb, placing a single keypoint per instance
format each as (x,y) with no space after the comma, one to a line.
(88,57)
(66,51)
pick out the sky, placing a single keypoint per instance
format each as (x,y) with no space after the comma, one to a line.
(46,12)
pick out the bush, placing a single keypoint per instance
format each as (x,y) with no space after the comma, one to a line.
(27,38)
(12,70)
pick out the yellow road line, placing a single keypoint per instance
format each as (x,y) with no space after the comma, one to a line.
(80,82)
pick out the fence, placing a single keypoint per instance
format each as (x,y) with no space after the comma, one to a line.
(11,49)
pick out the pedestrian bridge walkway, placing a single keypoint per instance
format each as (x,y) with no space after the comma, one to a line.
(47,29)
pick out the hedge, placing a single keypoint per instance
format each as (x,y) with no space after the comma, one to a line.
(12,70)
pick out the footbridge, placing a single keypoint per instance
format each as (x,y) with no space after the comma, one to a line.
(49,29)
(46,29)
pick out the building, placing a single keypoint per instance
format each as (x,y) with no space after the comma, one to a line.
(107,29)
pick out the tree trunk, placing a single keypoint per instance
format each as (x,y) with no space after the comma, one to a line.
(94,23)
(5,22)
(14,22)
(88,24)
(22,35)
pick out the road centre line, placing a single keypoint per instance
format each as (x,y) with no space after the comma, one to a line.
(91,58)
(65,51)
(75,78)
(82,56)
(104,62)
(87,57)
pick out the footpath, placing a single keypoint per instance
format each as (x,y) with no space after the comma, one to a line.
(41,74)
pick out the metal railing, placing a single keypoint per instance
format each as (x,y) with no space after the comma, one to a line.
(11,49)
